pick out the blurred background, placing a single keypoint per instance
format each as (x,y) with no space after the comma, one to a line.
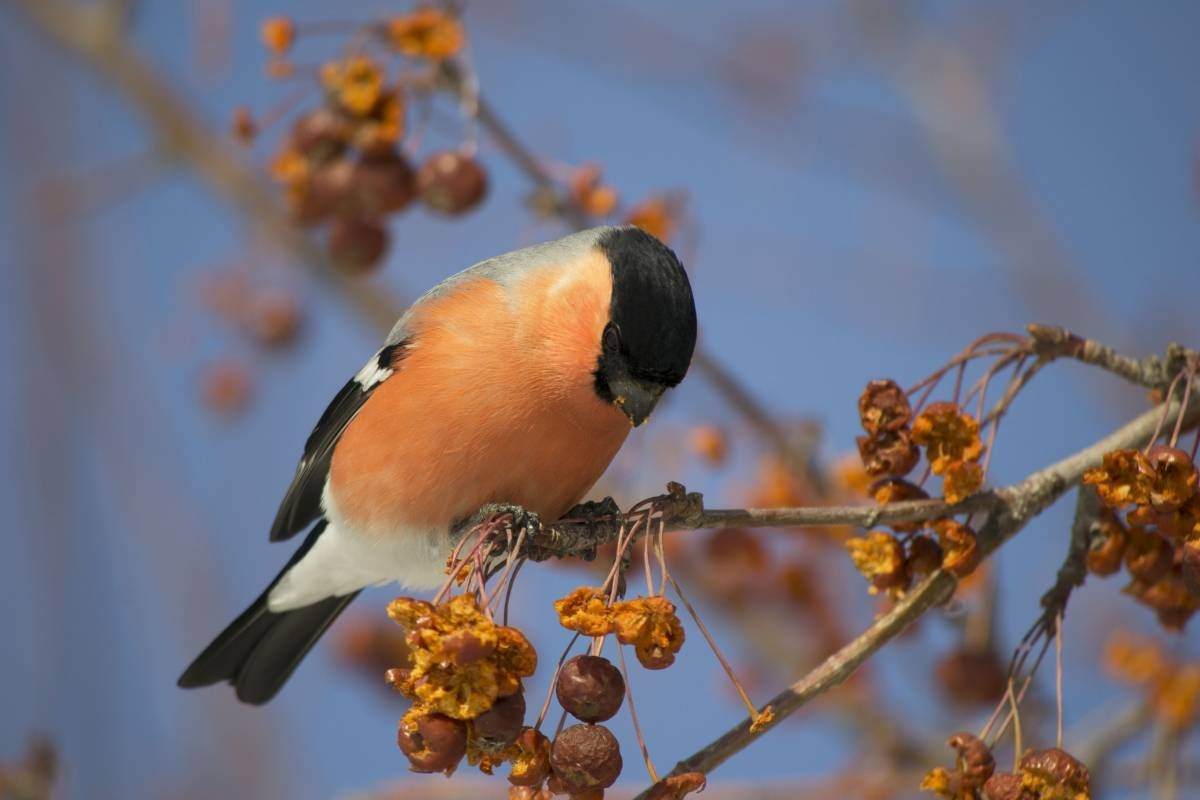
(858,189)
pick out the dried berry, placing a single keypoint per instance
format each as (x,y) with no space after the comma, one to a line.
(1172,477)
(589,194)
(357,245)
(975,760)
(888,453)
(1050,769)
(321,135)
(590,688)
(500,725)
(898,490)
(274,319)
(883,406)
(1189,565)
(659,215)
(924,555)
(226,387)
(586,757)
(1005,786)
(531,762)
(1148,556)
(467,647)
(1107,548)
(382,183)
(432,742)
(971,676)
(451,183)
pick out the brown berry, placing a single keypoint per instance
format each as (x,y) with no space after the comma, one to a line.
(1148,556)
(883,406)
(226,388)
(898,490)
(433,743)
(590,688)
(975,758)
(1189,565)
(451,183)
(1005,786)
(1057,767)
(501,724)
(971,677)
(924,555)
(465,647)
(382,184)
(888,453)
(1107,547)
(274,319)
(357,245)
(321,134)
(586,757)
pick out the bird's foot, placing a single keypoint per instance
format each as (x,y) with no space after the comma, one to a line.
(591,513)
(521,517)
(592,510)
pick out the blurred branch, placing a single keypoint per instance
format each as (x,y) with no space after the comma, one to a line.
(1019,504)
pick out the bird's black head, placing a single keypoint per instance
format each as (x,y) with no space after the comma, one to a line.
(647,345)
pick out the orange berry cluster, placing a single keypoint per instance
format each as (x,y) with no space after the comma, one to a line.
(648,623)
(341,164)
(1158,540)
(464,678)
(889,451)
(1051,774)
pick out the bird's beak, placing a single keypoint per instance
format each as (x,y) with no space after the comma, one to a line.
(635,399)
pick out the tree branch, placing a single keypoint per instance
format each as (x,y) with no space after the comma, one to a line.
(1019,504)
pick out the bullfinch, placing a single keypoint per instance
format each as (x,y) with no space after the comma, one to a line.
(513,382)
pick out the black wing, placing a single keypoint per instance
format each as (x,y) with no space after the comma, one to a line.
(302,503)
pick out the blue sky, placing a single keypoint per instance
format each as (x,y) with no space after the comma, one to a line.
(832,247)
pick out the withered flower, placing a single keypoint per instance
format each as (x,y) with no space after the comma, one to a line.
(879,556)
(531,759)
(1118,480)
(427,33)
(652,627)
(960,545)
(356,84)
(948,434)
(961,480)
(585,611)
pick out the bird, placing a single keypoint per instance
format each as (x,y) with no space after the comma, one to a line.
(511,384)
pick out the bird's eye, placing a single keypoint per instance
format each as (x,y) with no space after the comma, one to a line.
(611,339)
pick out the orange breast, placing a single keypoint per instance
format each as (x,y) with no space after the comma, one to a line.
(492,403)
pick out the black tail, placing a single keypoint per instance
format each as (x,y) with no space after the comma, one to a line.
(260,649)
